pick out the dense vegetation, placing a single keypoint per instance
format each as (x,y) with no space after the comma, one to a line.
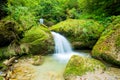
(88,24)
(2,8)
(54,11)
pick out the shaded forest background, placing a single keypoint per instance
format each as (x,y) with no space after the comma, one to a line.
(28,12)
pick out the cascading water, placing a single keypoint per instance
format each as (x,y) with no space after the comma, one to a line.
(62,45)
(63,49)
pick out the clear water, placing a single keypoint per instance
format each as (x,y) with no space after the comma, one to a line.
(63,49)
(62,45)
(54,66)
(51,69)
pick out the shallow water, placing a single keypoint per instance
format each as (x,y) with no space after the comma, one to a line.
(54,65)
(50,70)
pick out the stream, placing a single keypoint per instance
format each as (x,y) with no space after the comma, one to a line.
(53,66)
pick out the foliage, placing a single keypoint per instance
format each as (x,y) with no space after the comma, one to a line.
(3,11)
(50,10)
(101,7)
(2,51)
(22,11)
(100,10)
(58,10)
(54,11)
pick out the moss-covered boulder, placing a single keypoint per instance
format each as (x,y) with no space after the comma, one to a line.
(78,66)
(9,31)
(108,46)
(81,33)
(14,49)
(14,41)
(39,40)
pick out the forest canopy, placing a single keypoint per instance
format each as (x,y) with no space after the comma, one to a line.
(54,11)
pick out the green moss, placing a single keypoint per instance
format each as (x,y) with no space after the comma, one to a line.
(79,66)
(2,66)
(10,30)
(5,52)
(39,39)
(118,42)
(108,46)
(1,78)
(2,50)
(85,32)
(34,34)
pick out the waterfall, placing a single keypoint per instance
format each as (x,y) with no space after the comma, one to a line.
(63,50)
(62,45)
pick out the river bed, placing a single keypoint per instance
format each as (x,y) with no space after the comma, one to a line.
(54,65)
(52,68)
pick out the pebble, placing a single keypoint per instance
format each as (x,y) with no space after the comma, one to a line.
(16,61)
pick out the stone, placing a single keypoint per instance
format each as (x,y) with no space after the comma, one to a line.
(107,47)
(78,66)
(82,34)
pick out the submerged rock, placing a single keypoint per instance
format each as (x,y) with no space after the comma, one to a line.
(21,71)
(37,60)
(81,33)
(78,66)
(108,46)
(39,40)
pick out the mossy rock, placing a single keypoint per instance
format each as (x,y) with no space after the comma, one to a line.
(39,40)
(9,31)
(3,67)
(14,49)
(1,78)
(78,66)
(108,46)
(81,33)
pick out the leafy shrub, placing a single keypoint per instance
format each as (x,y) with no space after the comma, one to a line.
(51,10)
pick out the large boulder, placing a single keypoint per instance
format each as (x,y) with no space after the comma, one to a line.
(108,46)
(10,34)
(39,40)
(14,41)
(9,31)
(78,66)
(81,33)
